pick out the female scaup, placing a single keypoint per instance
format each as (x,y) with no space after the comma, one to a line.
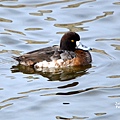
(70,53)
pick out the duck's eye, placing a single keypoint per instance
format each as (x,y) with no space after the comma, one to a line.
(72,40)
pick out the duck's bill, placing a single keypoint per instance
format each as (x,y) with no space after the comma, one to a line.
(81,46)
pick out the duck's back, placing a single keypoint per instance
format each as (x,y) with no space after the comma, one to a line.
(39,55)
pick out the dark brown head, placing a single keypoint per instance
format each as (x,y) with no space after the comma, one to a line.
(68,41)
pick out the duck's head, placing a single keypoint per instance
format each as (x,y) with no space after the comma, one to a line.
(68,41)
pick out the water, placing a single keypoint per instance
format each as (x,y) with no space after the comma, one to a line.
(91,93)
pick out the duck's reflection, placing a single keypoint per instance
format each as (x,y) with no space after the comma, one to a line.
(62,74)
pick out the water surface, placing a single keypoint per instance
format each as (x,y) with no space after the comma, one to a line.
(90,93)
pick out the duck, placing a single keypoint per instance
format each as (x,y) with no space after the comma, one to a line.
(71,52)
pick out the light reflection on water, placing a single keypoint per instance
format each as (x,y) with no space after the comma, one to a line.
(70,94)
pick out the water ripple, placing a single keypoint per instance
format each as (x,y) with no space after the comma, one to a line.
(14,31)
(12,6)
(6,105)
(5,20)
(82,91)
(78,4)
(13,98)
(73,118)
(75,26)
(59,87)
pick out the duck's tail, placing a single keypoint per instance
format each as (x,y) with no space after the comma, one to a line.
(16,58)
